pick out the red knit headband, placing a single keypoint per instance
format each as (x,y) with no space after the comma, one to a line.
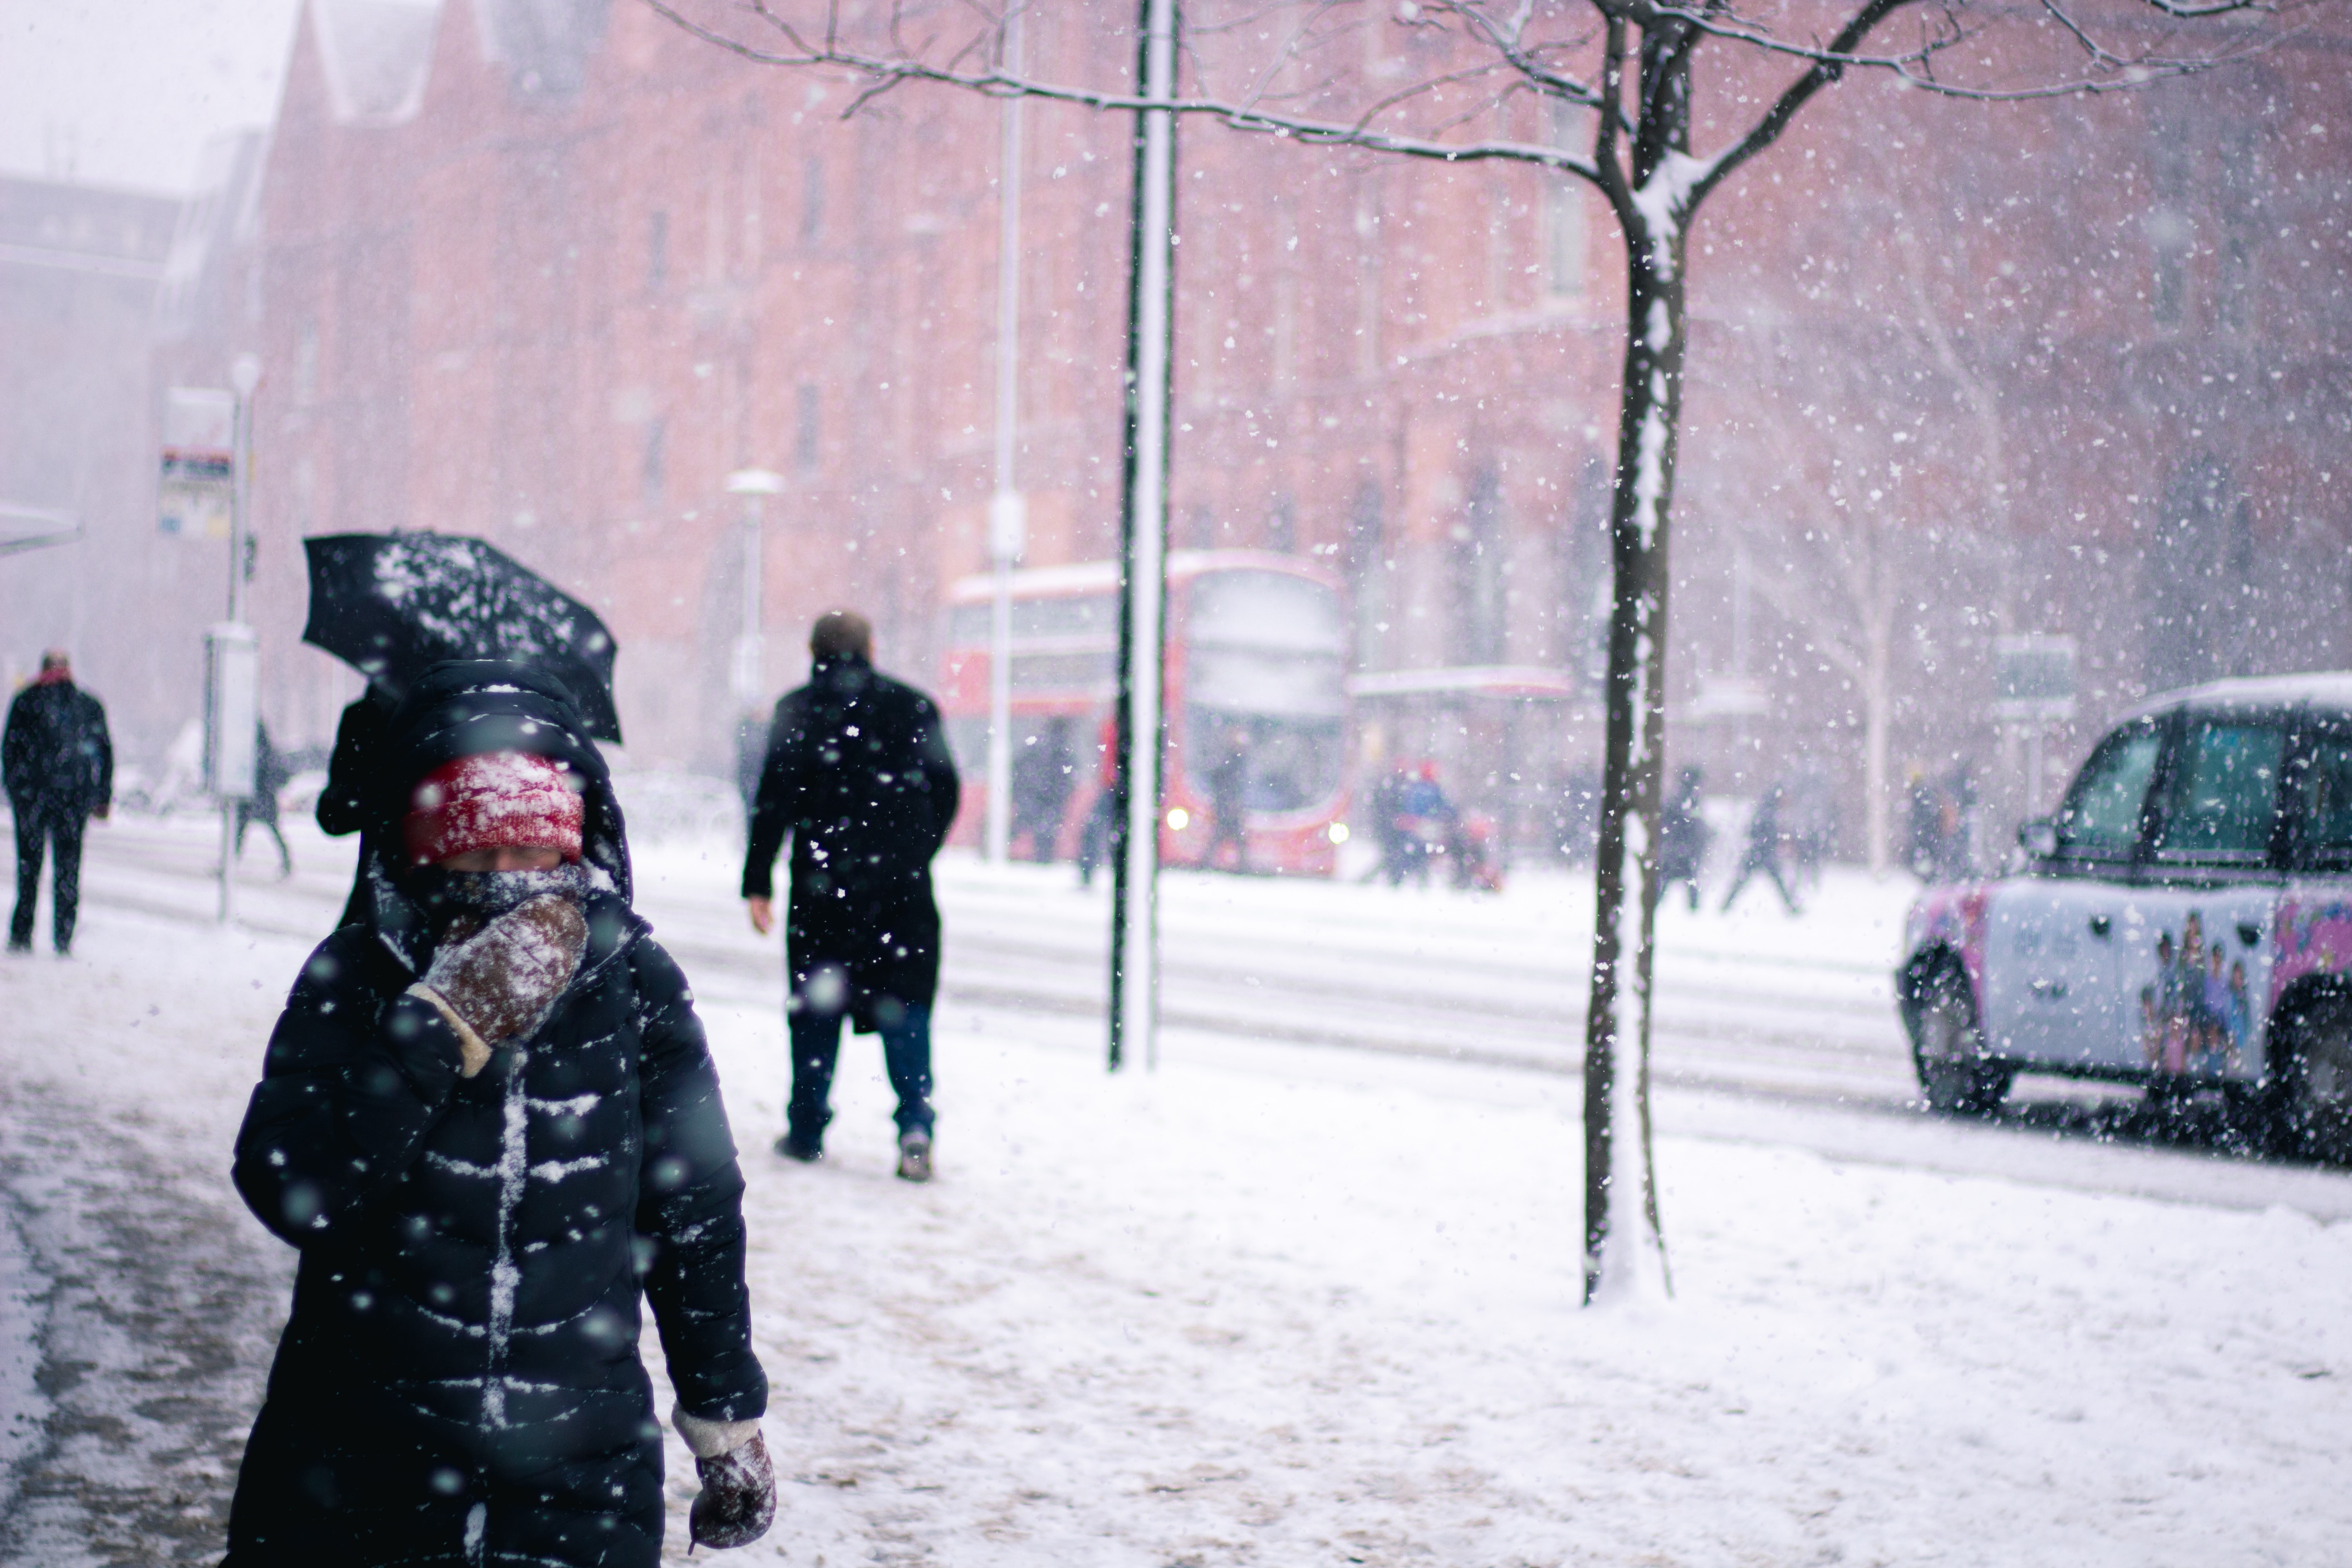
(497,800)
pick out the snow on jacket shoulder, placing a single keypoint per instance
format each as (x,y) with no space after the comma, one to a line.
(465,1318)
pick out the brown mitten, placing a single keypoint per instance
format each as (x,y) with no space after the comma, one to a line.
(500,982)
(738,1500)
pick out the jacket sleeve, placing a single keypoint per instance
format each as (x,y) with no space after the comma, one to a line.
(690,1207)
(778,804)
(16,751)
(101,744)
(937,763)
(349,1087)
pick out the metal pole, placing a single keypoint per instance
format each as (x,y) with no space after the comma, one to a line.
(1006,519)
(1135,903)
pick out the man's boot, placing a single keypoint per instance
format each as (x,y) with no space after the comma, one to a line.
(914,1155)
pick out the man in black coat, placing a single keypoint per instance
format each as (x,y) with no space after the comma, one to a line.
(58,762)
(858,774)
(489,1121)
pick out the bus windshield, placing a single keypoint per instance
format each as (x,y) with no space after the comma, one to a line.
(1265,665)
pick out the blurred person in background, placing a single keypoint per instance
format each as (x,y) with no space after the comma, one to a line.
(1762,856)
(1683,837)
(1398,848)
(858,777)
(261,806)
(58,762)
(1093,837)
(1956,823)
(1922,824)
(1808,822)
(1041,788)
(1229,782)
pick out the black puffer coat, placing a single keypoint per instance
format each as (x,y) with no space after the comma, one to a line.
(858,774)
(55,753)
(459,1383)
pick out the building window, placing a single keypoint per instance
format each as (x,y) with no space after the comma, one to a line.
(2170,238)
(808,430)
(657,252)
(1476,558)
(1367,579)
(2171,232)
(2241,161)
(1563,217)
(652,475)
(811,201)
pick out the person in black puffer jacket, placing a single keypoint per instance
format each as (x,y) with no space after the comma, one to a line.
(860,776)
(489,1121)
(59,767)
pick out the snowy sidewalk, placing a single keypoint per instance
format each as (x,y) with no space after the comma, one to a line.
(1280,1309)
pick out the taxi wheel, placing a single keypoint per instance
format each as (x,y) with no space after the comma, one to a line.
(1948,1050)
(2314,1100)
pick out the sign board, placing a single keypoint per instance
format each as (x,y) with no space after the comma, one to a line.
(232,709)
(2033,678)
(1008,525)
(199,474)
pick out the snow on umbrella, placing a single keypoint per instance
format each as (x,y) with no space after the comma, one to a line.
(391,605)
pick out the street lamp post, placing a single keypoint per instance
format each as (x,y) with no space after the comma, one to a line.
(747,674)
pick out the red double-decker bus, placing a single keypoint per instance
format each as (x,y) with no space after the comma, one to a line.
(1256,665)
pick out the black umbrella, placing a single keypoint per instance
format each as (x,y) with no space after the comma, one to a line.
(391,604)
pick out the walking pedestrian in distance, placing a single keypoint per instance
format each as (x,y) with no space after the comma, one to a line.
(59,764)
(1683,837)
(261,806)
(490,1123)
(1763,853)
(860,776)
(1095,836)
(1229,783)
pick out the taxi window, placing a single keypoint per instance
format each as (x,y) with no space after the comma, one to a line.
(2320,788)
(2102,814)
(2224,794)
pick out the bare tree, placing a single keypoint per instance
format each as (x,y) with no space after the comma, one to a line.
(1839,543)
(1296,69)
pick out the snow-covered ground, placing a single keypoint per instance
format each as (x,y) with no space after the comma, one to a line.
(1275,1302)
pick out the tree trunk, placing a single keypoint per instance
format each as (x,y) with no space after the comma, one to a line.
(1624,1249)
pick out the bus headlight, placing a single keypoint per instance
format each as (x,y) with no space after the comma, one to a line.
(1179,820)
(1338,833)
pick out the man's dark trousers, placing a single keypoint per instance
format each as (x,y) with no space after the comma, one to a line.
(816,1047)
(34,830)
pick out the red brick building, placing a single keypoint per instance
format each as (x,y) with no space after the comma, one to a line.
(548,274)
